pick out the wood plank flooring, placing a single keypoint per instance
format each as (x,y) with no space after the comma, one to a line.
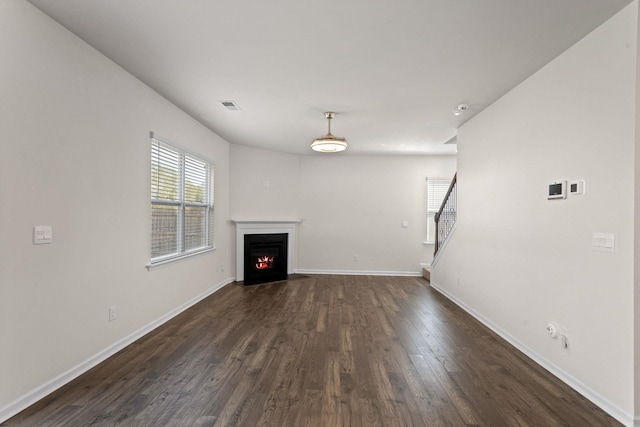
(318,351)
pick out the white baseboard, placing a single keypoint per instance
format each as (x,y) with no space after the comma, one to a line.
(362,273)
(599,400)
(49,387)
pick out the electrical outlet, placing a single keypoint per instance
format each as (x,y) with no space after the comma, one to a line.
(112,313)
(355,258)
(564,337)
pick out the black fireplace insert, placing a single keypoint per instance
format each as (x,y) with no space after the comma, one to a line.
(265,258)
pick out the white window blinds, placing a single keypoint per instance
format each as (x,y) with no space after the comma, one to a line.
(436,190)
(181,202)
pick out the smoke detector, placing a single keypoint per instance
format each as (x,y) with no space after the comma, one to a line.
(460,108)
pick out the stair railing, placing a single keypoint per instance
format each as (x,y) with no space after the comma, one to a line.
(445,218)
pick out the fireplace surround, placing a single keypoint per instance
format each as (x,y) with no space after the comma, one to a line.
(288,227)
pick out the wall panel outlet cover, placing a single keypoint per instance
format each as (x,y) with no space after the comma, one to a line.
(603,242)
(576,187)
(42,234)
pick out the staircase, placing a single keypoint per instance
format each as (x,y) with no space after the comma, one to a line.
(446,217)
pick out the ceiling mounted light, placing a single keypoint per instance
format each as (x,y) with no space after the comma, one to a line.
(461,108)
(329,143)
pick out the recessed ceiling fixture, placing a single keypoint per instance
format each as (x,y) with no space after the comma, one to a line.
(329,143)
(461,108)
(230,105)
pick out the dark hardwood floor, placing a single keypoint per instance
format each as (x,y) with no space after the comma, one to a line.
(318,351)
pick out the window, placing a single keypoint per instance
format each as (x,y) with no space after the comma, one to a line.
(436,190)
(181,203)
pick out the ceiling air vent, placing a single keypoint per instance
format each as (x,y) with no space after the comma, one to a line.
(230,105)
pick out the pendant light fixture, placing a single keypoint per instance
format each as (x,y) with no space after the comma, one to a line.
(329,143)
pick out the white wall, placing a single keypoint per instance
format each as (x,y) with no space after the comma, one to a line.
(518,260)
(348,205)
(74,154)
(264,184)
(637,236)
(355,206)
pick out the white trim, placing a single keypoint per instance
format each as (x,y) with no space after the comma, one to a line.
(183,257)
(362,273)
(605,404)
(55,383)
(266,227)
(269,221)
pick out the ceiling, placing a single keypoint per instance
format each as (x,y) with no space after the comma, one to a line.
(392,70)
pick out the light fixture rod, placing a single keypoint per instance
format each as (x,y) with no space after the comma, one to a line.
(329,115)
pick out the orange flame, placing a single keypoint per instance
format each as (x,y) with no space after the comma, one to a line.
(265,262)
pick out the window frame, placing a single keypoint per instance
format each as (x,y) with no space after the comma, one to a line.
(180,200)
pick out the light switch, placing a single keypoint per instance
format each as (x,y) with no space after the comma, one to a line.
(42,234)
(405,224)
(603,242)
(576,187)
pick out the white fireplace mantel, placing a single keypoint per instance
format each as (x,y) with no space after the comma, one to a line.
(243,227)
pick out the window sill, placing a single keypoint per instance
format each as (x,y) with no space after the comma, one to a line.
(179,258)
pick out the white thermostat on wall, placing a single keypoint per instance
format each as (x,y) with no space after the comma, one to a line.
(557,190)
